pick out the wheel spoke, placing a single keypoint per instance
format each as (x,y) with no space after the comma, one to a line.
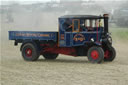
(28,52)
(94,54)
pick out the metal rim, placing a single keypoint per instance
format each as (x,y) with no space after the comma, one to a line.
(107,54)
(28,52)
(94,54)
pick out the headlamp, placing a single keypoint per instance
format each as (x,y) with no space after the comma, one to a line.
(110,39)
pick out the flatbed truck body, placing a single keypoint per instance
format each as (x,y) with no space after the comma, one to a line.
(78,35)
(32,35)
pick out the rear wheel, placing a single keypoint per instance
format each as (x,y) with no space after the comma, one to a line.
(95,54)
(109,54)
(30,52)
(50,56)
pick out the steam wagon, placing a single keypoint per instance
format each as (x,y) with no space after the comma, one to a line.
(78,35)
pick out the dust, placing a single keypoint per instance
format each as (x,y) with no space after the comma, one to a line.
(65,70)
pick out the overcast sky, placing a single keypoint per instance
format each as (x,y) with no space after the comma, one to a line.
(33,1)
(28,0)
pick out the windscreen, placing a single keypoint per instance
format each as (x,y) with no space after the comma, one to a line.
(92,24)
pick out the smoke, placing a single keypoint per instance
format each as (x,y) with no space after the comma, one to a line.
(40,16)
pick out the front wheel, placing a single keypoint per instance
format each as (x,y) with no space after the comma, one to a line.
(109,54)
(50,56)
(95,54)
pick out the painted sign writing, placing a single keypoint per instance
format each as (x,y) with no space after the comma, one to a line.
(32,35)
(62,37)
(79,37)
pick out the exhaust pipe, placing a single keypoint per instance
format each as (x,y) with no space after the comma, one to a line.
(106,23)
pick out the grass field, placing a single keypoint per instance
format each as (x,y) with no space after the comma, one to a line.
(65,70)
(119,33)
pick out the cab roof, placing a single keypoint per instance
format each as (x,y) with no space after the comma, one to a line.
(82,16)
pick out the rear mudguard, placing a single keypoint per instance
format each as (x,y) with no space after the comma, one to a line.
(28,41)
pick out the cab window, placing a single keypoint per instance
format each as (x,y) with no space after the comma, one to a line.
(76,25)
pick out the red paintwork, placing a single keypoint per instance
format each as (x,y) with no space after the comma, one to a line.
(94,54)
(97,33)
(59,50)
(106,54)
(28,52)
(44,45)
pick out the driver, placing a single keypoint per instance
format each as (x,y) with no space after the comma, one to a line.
(67,25)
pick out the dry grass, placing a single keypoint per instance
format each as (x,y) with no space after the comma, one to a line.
(65,70)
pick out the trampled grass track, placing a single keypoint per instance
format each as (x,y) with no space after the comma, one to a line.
(66,70)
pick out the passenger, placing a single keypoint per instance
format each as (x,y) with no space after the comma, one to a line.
(82,27)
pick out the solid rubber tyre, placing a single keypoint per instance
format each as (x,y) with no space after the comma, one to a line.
(50,56)
(30,52)
(95,54)
(111,54)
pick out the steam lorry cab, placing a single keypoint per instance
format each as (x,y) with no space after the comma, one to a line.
(78,35)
